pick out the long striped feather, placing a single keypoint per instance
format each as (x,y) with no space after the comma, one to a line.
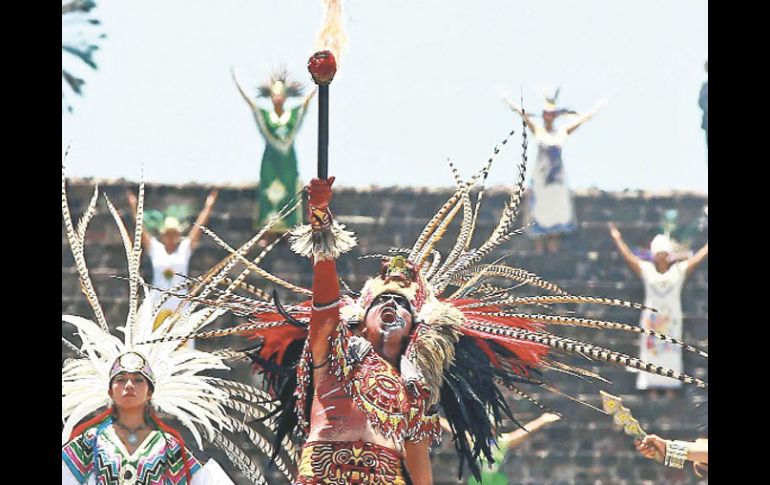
(469,215)
(555,390)
(88,215)
(73,348)
(238,458)
(572,370)
(77,247)
(264,446)
(581,348)
(432,224)
(128,247)
(439,232)
(465,226)
(253,267)
(518,392)
(467,259)
(529,300)
(483,272)
(241,252)
(434,265)
(135,258)
(247,392)
(502,231)
(600,324)
(223,332)
(505,271)
(485,171)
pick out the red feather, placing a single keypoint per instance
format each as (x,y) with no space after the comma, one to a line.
(276,340)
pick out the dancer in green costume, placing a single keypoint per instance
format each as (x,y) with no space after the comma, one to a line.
(278,177)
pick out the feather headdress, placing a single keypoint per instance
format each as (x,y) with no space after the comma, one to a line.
(212,409)
(279,83)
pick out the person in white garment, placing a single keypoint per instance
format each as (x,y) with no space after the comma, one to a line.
(551,209)
(170,253)
(663,282)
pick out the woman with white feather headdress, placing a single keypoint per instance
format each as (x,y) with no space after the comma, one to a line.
(129,382)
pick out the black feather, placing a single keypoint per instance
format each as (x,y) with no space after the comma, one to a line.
(285,314)
(473,403)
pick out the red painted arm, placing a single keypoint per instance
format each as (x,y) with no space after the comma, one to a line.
(326,288)
(324,319)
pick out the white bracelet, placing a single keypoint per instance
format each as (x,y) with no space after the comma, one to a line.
(676,453)
(328,306)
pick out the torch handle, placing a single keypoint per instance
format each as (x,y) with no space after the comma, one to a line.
(323,132)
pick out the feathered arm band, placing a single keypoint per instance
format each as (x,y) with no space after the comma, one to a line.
(323,239)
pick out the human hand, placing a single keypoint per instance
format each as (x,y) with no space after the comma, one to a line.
(548,418)
(511,104)
(652,446)
(132,200)
(212,197)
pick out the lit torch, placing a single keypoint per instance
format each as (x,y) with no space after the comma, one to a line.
(323,66)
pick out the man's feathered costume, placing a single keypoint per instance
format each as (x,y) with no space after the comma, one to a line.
(472,341)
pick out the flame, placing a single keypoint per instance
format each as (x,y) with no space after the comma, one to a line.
(332,36)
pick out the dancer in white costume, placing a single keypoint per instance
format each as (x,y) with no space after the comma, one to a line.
(663,282)
(170,253)
(550,200)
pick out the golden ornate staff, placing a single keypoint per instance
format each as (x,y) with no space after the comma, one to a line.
(621,416)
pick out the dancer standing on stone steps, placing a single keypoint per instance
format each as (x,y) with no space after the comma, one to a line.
(550,200)
(279,172)
(171,253)
(663,282)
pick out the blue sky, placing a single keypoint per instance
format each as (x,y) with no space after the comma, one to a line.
(420,83)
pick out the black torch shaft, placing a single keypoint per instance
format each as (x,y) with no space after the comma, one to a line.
(323,131)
